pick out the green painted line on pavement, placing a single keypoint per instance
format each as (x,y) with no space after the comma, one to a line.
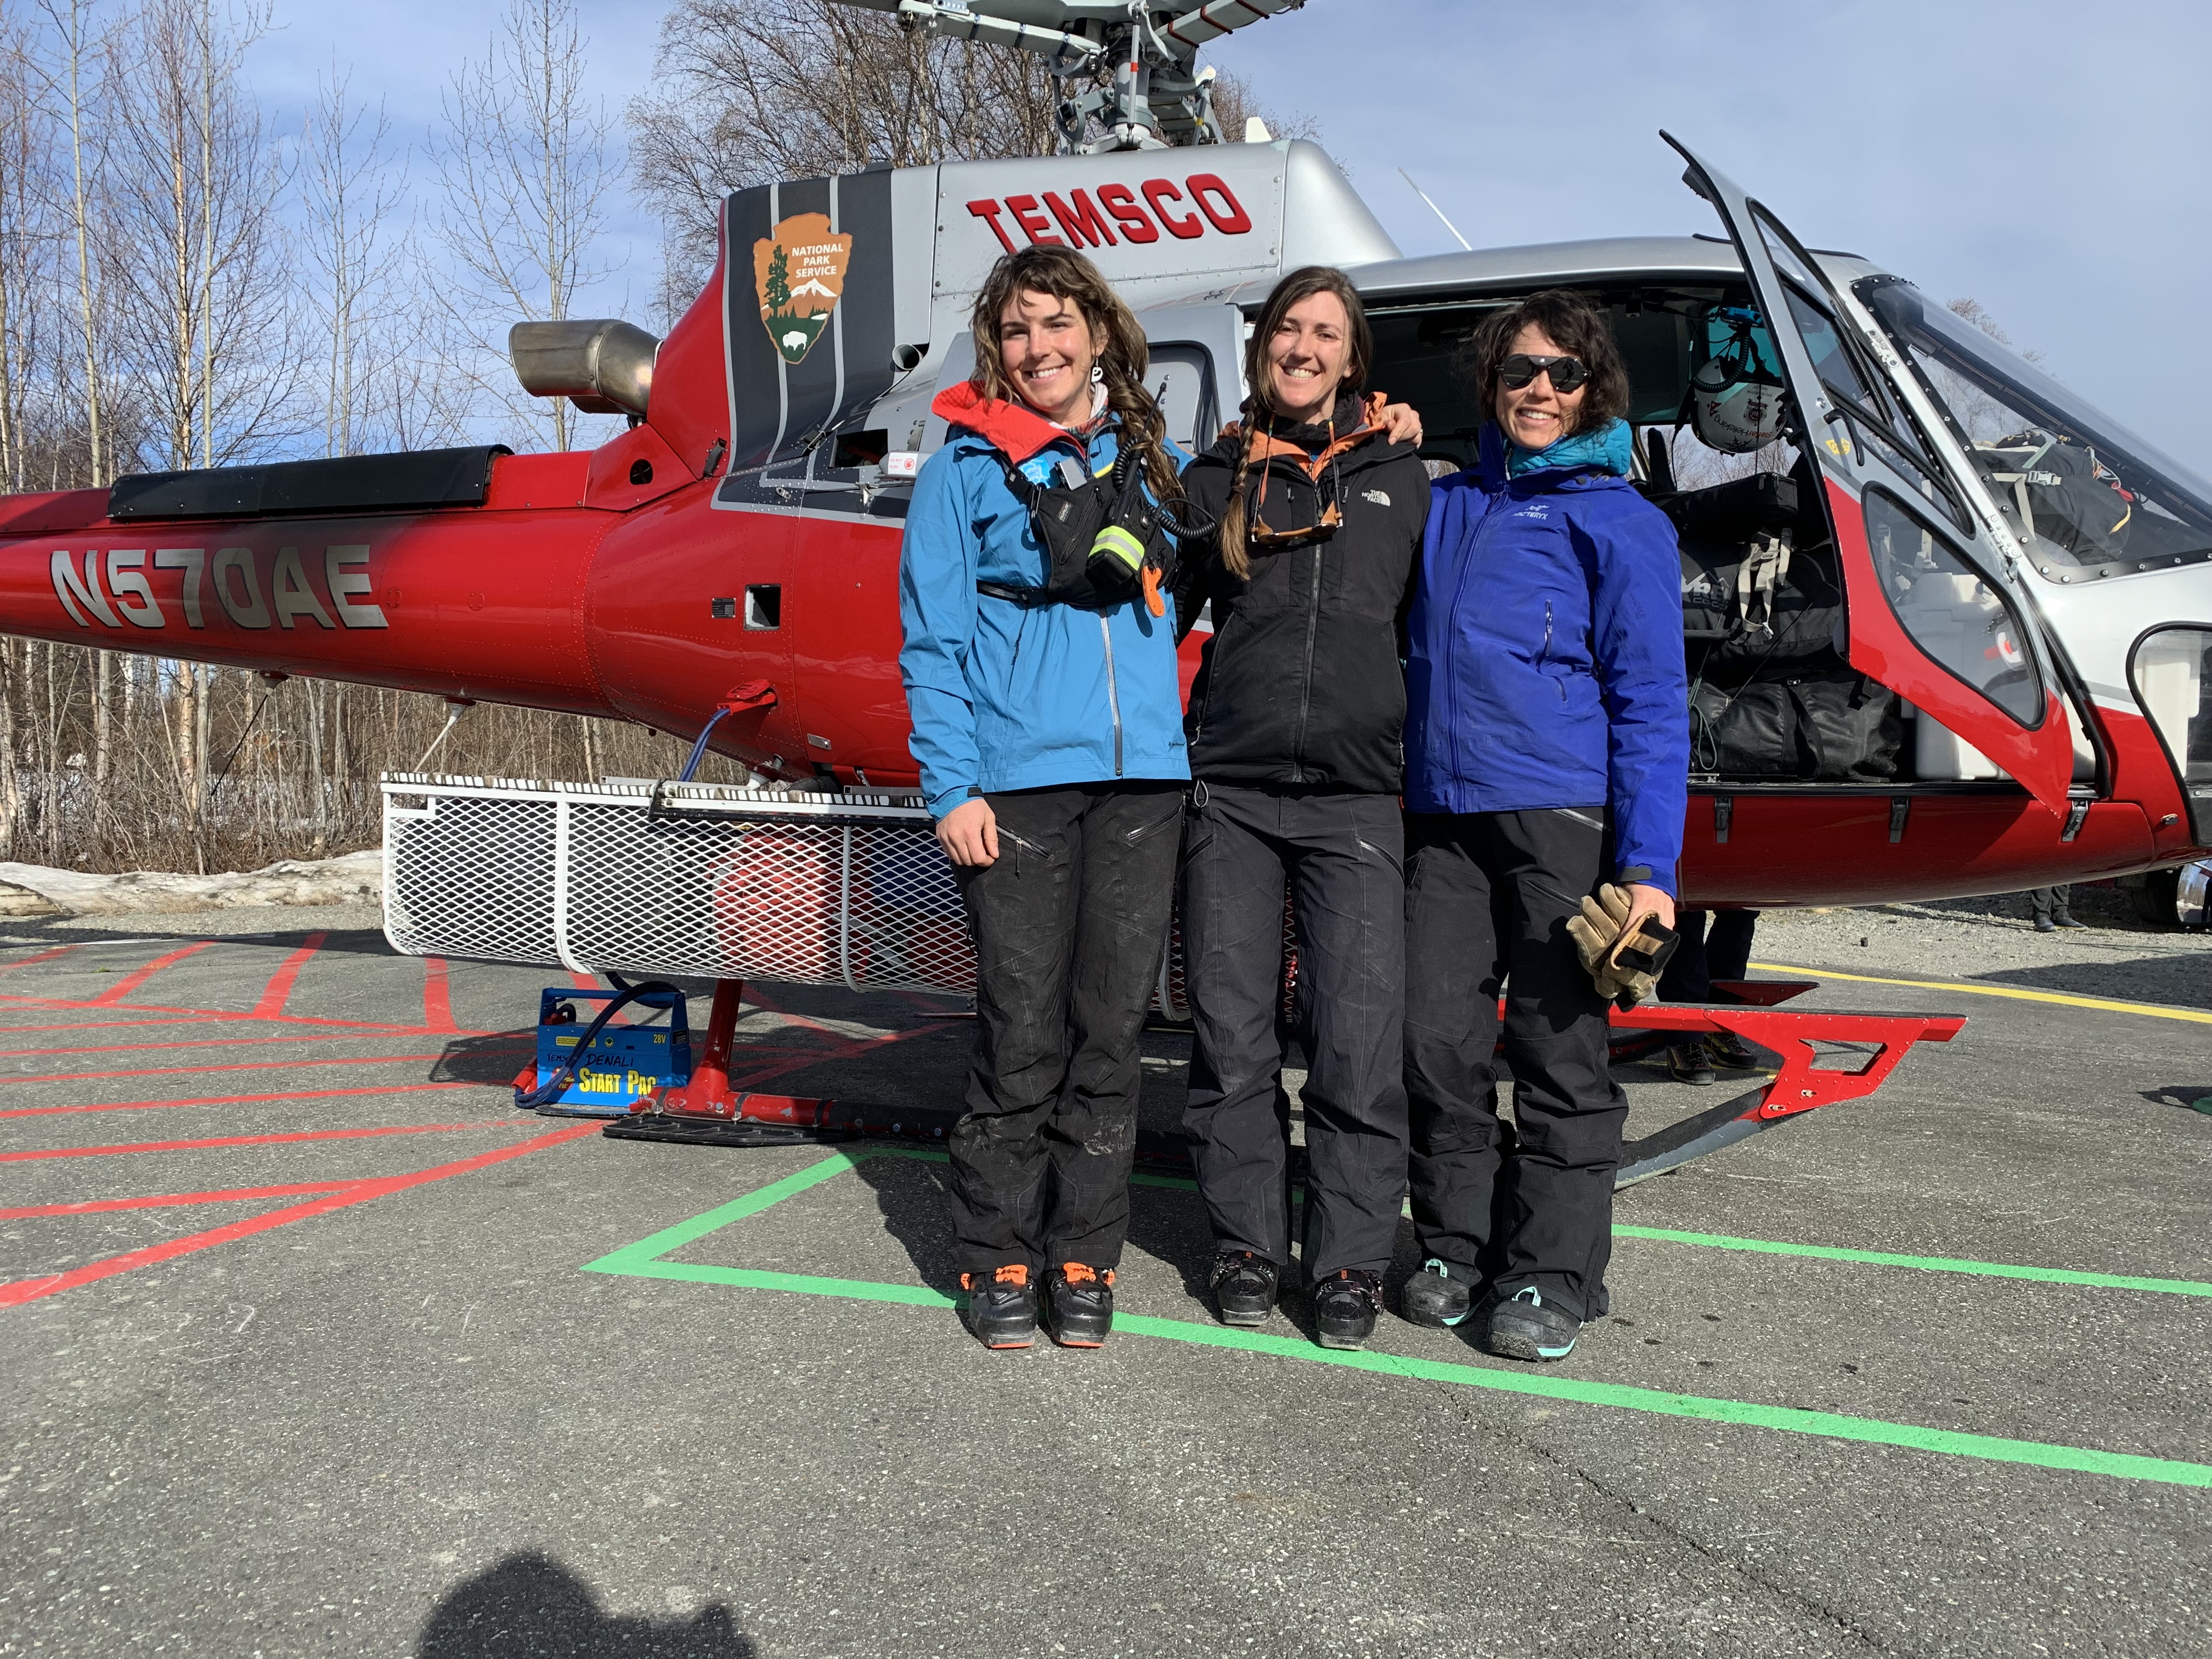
(640,1261)
(1926,1263)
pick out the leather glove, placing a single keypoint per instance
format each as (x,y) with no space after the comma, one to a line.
(1626,971)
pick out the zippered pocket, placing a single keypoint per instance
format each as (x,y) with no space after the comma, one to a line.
(1544,657)
(1213,672)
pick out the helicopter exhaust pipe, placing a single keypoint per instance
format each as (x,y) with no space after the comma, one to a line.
(600,364)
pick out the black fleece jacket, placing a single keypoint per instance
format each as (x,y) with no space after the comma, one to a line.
(1302,682)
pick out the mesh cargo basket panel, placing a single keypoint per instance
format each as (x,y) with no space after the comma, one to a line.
(675,878)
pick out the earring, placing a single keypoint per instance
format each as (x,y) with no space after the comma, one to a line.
(1097,372)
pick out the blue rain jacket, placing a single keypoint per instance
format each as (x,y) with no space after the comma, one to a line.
(1545,653)
(1004,697)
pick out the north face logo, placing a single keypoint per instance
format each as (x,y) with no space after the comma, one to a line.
(1379,497)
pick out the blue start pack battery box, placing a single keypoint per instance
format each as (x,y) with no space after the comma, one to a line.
(625,1063)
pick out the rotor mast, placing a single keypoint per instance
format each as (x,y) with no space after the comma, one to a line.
(1125,70)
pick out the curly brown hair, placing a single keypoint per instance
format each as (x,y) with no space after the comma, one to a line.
(1579,327)
(1066,274)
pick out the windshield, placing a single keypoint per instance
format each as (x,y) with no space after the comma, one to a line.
(2078,490)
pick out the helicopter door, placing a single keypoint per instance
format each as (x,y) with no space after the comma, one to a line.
(1196,354)
(1936,611)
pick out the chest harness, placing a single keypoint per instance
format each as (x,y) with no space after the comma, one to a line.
(1105,540)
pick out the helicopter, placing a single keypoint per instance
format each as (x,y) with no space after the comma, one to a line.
(1947,625)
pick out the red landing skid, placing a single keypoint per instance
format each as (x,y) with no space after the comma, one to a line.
(706,1111)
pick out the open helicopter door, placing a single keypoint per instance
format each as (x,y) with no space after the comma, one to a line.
(1935,608)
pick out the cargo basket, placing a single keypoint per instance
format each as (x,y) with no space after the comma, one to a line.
(710,880)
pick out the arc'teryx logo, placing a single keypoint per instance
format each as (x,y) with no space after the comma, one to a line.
(798,273)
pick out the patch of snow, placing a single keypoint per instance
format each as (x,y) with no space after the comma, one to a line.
(356,878)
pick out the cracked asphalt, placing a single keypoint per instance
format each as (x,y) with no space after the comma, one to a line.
(349,1389)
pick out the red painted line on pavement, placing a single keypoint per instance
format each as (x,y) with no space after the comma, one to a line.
(130,982)
(31,1290)
(242,1141)
(279,988)
(29,1002)
(92,1025)
(237,1100)
(163,1201)
(242,1066)
(437,995)
(41,956)
(198,1043)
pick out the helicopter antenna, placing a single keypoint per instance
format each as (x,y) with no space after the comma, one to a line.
(1438,211)
(1126,69)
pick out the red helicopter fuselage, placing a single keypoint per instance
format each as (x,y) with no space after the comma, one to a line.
(711,547)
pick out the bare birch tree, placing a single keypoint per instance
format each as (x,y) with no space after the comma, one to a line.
(198,259)
(755,90)
(351,185)
(522,156)
(751,91)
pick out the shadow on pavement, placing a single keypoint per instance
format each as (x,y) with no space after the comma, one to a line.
(2180,980)
(2190,1097)
(278,926)
(495,1059)
(531,1607)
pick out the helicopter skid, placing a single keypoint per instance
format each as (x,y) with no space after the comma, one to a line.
(707,1111)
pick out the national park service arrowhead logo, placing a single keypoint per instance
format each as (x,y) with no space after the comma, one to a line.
(798,271)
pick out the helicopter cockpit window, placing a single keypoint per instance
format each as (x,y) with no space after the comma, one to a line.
(2078,491)
(1872,418)
(1951,613)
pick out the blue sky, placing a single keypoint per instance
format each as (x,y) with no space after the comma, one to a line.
(2052,160)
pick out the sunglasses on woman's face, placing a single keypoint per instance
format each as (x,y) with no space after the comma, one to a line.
(1567,373)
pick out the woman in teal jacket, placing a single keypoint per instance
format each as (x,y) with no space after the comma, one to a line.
(1047,722)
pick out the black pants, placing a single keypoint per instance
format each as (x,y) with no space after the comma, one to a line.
(1722,951)
(1340,856)
(1070,925)
(2050,903)
(1487,899)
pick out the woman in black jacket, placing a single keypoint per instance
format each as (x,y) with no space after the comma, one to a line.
(1294,726)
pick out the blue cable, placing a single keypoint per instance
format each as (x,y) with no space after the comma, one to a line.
(699,749)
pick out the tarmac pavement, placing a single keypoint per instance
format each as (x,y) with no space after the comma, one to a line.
(393,1369)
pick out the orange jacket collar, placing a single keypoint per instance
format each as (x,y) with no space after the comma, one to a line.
(1017,430)
(1262,446)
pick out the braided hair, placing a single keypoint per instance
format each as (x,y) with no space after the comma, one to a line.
(1123,353)
(1301,284)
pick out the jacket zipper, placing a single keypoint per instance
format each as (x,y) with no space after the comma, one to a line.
(1451,629)
(1305,685)
(1546,655)
(1113,695)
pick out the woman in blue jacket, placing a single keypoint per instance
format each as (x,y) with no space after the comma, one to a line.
(1547,751)
(1048,723)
